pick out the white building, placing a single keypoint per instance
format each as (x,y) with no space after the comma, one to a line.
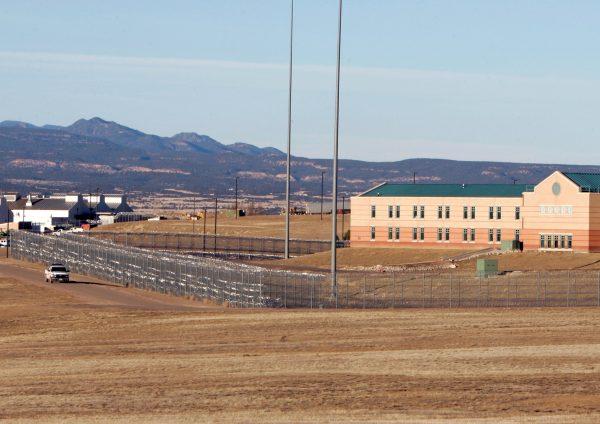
(105,206)
(47,212)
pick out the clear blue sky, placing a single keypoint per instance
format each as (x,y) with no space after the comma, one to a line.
(493,80)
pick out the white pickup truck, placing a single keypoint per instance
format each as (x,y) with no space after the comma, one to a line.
(56,272)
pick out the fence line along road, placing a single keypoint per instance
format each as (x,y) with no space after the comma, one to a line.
(214,243)
(240,285)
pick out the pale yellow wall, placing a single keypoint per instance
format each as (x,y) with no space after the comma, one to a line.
(557,221)
(571,212)
(362,221)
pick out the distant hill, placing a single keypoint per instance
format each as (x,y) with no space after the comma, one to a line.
(95,153)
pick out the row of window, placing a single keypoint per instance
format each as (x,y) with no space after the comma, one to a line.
(443,234)
(556,241)
(443,212)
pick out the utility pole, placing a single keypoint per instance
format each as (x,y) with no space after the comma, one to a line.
(216,207)
(335,162)
(414,177)
(236,197)
(289,140)
(194,216)
(343,209)
(322,185)
(204,231)
(7,226)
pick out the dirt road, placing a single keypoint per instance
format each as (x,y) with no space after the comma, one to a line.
(93,291)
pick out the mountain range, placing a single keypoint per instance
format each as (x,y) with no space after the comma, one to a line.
(93,154)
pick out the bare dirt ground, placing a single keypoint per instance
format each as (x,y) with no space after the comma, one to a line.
(71,357)
(358,257)
(308,227)
(355,257)
(542,261)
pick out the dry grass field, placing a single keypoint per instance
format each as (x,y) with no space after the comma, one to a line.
(308,227)
(65,359)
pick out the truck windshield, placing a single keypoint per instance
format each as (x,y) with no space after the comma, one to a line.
(58,269)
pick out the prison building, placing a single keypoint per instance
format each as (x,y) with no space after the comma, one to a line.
(562,212)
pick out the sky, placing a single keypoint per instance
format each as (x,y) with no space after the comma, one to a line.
(474,80)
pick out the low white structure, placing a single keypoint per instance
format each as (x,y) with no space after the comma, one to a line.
(47,212)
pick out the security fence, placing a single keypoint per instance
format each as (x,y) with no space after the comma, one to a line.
(213,243)
(240,285)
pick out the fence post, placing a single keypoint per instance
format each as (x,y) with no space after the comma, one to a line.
(347,292)
(364,291)
(450,290)
(508,292)
(423,290)
(568,288)
(285,282)
(458,288)
(393,289)
(545,289)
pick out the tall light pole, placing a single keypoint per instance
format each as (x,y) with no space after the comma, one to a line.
(289,139)
(335,161)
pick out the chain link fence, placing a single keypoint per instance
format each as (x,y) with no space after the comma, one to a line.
(240,285)
(213,243)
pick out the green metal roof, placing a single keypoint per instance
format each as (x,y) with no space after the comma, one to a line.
(586,181)
(448,190)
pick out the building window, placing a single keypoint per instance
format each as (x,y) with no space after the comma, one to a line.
(390,233)
(472,234)
(569,242)
(447,234)
(447,212)
(518,212)
(542,241)
(422,211)
(465,235)
(465,212)
(491,236)
(390,211)
(440,212)
(414,234)
(556,241)
(397,233)
(398,211)
(491,212)
(517,235)
(440,231)
(498,236)
(414,211)
(549,242)
(563,242)
(498,212)
(422,234)
(373,211)
(472,212)
(372,233)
